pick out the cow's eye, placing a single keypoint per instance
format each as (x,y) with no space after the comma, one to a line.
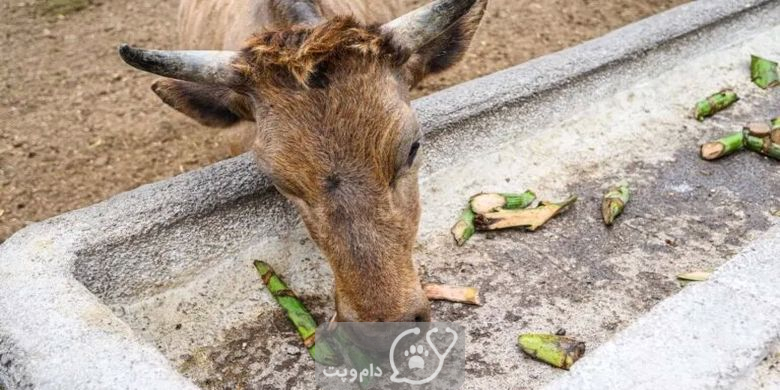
(412,153)
(405,165)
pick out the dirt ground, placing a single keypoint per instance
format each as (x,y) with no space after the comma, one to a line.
(77,125)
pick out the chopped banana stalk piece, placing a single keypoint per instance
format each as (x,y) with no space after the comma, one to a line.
(697,276)
(723,147)
(614,202)
(558,351)
(714,103)
(531,219)
(464,228)
(440,292)
(488,203)
(763,72)
(764,146)
(296,312)
(758,129)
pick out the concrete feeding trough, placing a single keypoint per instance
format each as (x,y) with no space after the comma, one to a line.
(154,288)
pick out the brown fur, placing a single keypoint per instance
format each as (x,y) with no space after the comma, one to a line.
(334,131)
(299,51)
(225,24)
(339,153)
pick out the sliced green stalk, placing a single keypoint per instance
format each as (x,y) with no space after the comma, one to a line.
(464,228)
(723,147)
(614,202)
(758,129)
(714,103)
(764,146)
(296,312)
(558,351)
(531,219)
(763,72)
(490,202)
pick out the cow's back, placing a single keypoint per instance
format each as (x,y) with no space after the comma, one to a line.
(225,24)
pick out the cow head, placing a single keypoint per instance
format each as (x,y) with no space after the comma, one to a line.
(335,133)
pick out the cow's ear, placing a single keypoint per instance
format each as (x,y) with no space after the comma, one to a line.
(210,105)
(448,48)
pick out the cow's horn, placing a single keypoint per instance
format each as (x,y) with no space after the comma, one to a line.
(422,25)
(202,66)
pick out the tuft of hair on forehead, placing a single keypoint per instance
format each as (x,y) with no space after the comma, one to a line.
(301,50)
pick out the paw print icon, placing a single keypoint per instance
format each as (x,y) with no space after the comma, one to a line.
(416,361)
(416,353)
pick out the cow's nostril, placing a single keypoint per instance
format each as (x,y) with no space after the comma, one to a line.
(423,315)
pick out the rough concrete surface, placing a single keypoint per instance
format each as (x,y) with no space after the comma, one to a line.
(95,291)
(710,335)
(766,376)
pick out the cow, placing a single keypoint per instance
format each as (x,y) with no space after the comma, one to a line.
(326,84)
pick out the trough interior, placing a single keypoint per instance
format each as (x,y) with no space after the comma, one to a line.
(189,288)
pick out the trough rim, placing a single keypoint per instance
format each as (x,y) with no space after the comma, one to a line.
(49,249)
